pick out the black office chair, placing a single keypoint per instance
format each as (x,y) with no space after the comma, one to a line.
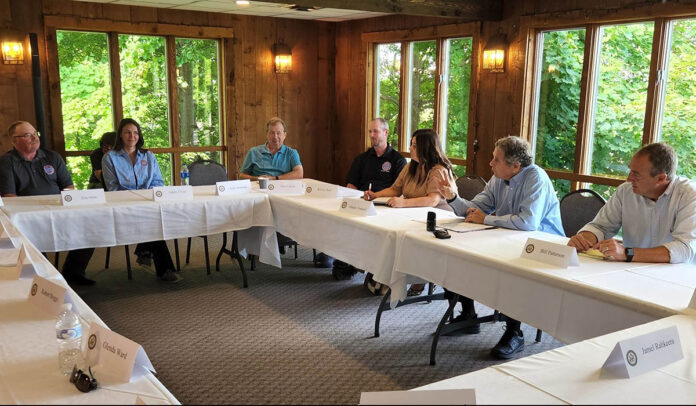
(204,172)
(470,186)
(579,208)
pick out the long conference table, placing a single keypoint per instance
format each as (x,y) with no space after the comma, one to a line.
(573,304)
(29,353)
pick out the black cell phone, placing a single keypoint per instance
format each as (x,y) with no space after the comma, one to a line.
(441,234)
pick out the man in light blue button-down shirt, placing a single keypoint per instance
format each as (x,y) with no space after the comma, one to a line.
(519,196)
(655,208)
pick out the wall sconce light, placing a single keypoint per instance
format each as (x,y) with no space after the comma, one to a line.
(12,53)
(494,54)
(283,58)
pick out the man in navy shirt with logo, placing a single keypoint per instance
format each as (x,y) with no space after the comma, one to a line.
(28,170)
(375,169)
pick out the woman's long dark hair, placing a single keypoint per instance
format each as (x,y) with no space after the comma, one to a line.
(429,154)
(119,141)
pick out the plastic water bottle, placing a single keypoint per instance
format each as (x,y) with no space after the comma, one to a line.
(69,336)
(184,175)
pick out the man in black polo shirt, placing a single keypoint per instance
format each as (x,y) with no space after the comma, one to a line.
(375,169)
(28,170)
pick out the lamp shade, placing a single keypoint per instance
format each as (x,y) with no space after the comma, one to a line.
(494,54)
(12,53)
(283,58)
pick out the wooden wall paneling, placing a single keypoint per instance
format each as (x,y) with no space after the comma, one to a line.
(143,28)
(144,15)
(9,111)
(5,14)
(345,122)
(59,7)
(266,85)
(487,113)
(325,140)
(116,12)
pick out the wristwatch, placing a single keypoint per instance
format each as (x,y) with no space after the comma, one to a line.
(629,254)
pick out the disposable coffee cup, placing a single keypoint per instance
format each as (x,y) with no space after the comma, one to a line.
(263,183)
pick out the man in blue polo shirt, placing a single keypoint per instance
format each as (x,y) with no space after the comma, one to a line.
(272,159)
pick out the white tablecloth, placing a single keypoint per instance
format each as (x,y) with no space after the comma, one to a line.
(368,243)
(129,217)
(29,352)
(571,374)
(571,304)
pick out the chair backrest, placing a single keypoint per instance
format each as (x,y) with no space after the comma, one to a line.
(470,186)
(206,173)
(579,208)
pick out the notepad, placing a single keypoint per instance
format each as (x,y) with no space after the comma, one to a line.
(381,201)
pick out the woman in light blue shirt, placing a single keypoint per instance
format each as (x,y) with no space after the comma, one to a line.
(128,167)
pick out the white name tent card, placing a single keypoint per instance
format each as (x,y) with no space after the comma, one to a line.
(357,206)
(46,295)
(233,187)
(115,355)
(77,197)
(11,262)
(286,187)
(420,397)
(316,189)
(172,193)
(550,253)
(644,353)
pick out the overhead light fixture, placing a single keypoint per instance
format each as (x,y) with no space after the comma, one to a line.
(242,2)
(494,54)
(283,58)
(12,53)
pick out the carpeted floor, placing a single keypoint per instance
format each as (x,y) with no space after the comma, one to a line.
(295,336)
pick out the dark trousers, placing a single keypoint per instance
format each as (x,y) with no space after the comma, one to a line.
(468,308)
(76,262)
(160,252)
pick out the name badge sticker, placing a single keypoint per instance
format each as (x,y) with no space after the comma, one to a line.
(358,207)
(638,355)
(82,197)
(46,295)
(550,253)
(172,193)
(115,355)
(233,187)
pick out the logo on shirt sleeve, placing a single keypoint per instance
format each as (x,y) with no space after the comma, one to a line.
(143,162)
(49,169)
(386,166)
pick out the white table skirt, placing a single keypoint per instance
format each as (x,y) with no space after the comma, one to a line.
(571,304)
(571,374)
(367,243)
(29,352)
(128,217)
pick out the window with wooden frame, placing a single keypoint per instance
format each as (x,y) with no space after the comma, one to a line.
(601,91)
(422,79)
(169,83)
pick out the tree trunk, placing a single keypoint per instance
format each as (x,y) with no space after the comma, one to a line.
(186,113)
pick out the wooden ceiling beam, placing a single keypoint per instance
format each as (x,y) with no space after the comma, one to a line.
(470,10)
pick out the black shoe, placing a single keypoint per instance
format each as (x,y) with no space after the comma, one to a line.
(510,343)
(471,329)
(342,274)
(281,249)
(322,260)
(171,276)
(79,280)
